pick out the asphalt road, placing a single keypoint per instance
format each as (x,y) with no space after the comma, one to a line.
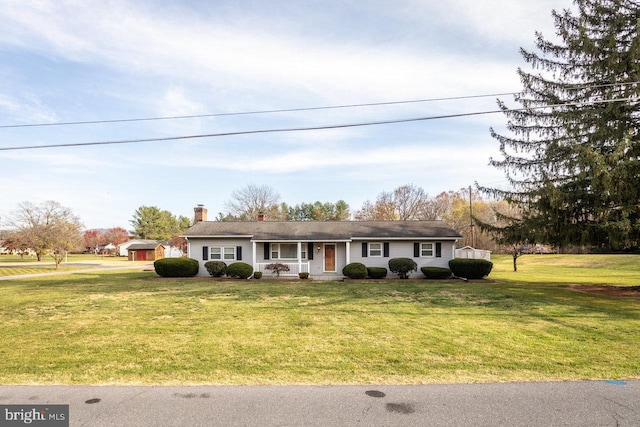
(581,403)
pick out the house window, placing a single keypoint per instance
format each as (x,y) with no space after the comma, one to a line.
(426,249)
(230,253)
(287,251)
(223,252)
(375,249)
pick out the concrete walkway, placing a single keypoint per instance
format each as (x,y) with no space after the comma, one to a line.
(580,403)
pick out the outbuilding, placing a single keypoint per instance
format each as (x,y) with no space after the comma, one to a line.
(146,252)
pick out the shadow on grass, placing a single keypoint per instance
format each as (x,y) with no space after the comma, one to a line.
(549,302)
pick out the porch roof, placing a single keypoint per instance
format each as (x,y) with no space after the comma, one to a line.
(322,230)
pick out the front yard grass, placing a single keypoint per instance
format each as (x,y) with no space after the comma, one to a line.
(14,265)
(136,328)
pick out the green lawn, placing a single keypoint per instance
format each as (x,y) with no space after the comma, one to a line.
(12,265)
(136,328)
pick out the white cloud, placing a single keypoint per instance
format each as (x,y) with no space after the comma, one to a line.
(511,22)
(176,103)
(27,110)
(147,42)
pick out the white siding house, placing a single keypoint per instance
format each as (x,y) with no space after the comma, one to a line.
(321,248)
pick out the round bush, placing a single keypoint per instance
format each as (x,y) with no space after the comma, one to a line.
(176,267)
(355,270)
(402,267)
(304,275)
(470,268)
(257,275)
(216,268)
(377,272)
(240,270)
(436,272)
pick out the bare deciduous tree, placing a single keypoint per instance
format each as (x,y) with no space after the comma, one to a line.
(405,203)
(246,203)
(48,228)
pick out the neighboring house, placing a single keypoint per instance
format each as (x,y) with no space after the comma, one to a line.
(104,249)
(146,251)
(321,248)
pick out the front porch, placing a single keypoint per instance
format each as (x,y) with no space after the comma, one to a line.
(317,258)
(293,268)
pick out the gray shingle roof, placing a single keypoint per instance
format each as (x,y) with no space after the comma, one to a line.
(143,246)
(323,230)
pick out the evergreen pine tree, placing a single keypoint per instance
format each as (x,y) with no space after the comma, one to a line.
(572,153)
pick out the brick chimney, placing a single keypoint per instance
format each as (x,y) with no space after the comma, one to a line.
(260,216)
(200,214)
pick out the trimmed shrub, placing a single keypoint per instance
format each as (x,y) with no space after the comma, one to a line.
(216,268)
(257,275)
(402,267)
(470,268)
(240,270)
(355,270)
(176,267)
(303,275)
(377,272)
(436,272)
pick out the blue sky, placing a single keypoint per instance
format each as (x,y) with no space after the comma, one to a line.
(78,60)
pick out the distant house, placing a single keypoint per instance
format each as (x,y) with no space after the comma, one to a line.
(320,248)
(106,249)
(145,251)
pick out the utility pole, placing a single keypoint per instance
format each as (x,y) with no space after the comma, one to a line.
(473,235)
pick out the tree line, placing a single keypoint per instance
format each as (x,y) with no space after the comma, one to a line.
(405,203)
(52,229)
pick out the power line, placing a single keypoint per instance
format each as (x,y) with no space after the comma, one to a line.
(245,113)
(312,128)
(290,110)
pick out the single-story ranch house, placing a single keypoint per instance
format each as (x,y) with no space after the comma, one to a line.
(321,248)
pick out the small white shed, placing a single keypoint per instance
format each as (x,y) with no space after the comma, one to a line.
(471,253)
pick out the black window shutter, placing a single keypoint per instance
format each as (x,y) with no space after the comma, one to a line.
(365,249)
(438,250)
(416,250)
(385,246)
(267,252)
(239,253)
(205,253)
(309,250)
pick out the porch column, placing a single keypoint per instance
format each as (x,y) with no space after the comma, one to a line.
(254,255)
(299,257)
(348,254)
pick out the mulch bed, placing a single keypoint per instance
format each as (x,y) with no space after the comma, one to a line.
(611,291)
